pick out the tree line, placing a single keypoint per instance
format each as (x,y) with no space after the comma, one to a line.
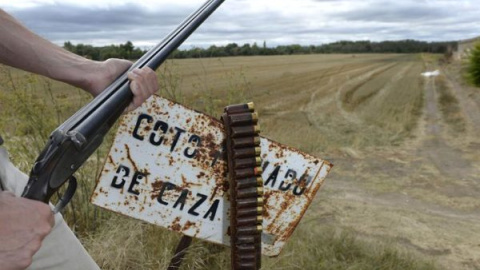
(128,51)
(125,51)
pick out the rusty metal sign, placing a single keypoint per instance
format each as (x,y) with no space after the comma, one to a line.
(167,167)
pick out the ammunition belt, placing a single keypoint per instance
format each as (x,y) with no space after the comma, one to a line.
(246,185)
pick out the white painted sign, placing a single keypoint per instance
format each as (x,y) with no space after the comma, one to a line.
(167,167)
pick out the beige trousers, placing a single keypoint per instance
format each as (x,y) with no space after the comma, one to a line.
(60,249)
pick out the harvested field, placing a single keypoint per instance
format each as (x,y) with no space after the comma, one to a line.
(404,146)
(404,149)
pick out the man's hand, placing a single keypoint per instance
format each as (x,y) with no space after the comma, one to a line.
(143,82)
(24,224)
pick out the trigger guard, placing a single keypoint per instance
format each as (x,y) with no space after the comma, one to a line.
(67,196)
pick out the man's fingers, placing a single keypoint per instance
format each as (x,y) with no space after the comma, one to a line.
(45,211)
(143,85)
(136,85)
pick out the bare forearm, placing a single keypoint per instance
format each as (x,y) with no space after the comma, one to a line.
(23,49)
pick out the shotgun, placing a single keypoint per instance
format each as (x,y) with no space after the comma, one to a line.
(72,143)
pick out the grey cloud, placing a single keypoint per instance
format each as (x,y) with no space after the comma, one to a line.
(124,22)
(399,11)
(375,20)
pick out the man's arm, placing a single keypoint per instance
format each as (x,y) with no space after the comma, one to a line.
(24,223)
(23,49)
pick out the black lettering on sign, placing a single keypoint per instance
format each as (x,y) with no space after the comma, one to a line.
(291,175)
(194,139)
(158,135)
(121,178)
(141,117)
(265,164)
(212,211)
(137,177)
(306,179)
(298,187)
(163,127)
(181,200)
(273,177)
(202,199)
(179,133)
(122,173)
(165,186)
(217,155)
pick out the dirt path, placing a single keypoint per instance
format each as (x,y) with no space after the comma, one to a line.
(422,196)
(434,147)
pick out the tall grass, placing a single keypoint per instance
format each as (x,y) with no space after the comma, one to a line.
(319,247)
(33,106)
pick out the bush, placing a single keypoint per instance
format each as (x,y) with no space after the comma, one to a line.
(474,66)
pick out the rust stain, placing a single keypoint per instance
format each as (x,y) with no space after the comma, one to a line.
(175,226)
(220,184)
(289,200)
(110,159)
(266,200)
(214,193)
(184,181)
(188,225)
(156,186)
(130,158)
(291,227)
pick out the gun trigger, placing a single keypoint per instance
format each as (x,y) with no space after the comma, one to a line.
(67,196)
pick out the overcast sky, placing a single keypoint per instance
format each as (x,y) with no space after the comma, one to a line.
(280,22)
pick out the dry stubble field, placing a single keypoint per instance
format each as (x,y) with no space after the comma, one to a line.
(404,147)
